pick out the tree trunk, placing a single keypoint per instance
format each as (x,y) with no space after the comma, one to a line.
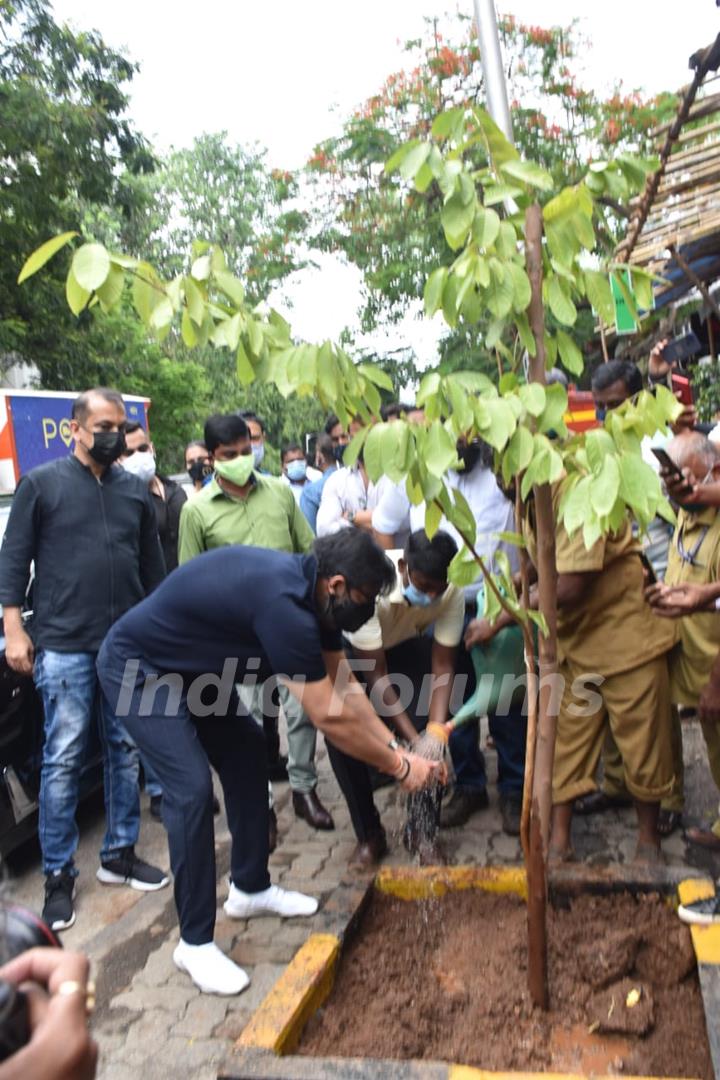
(544,745)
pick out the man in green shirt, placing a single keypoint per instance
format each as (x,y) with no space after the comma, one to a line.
(239,506)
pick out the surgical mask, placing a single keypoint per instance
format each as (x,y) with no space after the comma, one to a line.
(346,615)
(238,471)
(141,464)
(338,452)
(107,446)
(416,596)
(199,470)
(258,452)
(696,508)
(296,471)
(600,413)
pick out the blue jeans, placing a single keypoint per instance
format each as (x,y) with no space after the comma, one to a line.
(508,733)
(68,685)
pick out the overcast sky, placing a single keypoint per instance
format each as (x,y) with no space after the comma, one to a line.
(284,73)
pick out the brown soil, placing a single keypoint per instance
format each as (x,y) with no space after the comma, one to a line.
(445,979)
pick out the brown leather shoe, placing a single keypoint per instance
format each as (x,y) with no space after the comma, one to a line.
(308,807)
(272,832)
(705,838)
(368,854)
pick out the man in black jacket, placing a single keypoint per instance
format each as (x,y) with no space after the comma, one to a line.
(89,526)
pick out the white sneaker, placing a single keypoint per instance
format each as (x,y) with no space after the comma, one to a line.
(271,901)
(210,969)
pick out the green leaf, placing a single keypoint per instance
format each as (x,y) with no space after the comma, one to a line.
(376,375)
(604,488)
(77,297)
(429,387)
(514,538)
(528,173)
(521,287)
(635,482)
(189,334)
(43,254)
(230,285)
(127,262)
(499,147)
(145,291)
(556,403)
(498,193)
(449,124)
(434,287)
(532,395)
(245,370)
(518,454)
(91,265)
(462,517)
(598,444)
(463,569)
(525,333)
(200,269)
(110,292)
(457,218)
(413,160)
(561,305)
(433,517)
(393,163)
(162,314)
(439,449)
(569,353)
(485,227)
(500,292)
(506,243)
(195,301)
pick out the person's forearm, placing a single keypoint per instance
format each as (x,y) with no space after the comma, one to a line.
(353,725)
(12,622)
(441,693)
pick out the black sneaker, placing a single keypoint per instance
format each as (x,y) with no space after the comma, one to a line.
(701,912)
(156,807)
(511,813)
(127,869)
(58,911)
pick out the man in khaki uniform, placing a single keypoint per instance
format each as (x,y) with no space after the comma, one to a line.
(613,672)
(691,585)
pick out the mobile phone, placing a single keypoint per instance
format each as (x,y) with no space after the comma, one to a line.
(682,389)
(669,465)
(648,568)
(681,349)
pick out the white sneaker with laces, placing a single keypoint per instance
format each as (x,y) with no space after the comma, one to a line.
(271,901)
(210,969)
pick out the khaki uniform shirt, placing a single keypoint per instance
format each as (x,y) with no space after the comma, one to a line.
(395,620)
(694,558)
(611,629)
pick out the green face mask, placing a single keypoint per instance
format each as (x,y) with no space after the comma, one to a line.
(237,471)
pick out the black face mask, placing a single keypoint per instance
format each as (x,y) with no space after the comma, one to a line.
(346,615)
(199,470)
(107,446)
(469,455)
(338,452)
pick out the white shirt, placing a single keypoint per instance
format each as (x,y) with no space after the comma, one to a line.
(493,513)
(345,491)
(395,620)
(297,489)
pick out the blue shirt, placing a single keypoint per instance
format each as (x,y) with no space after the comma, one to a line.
(234,602)
(311,496)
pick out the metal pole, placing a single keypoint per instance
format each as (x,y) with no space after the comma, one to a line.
(492,65)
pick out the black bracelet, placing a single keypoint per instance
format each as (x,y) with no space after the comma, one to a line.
(407,770)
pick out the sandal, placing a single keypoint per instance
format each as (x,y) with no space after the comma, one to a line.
(668,822)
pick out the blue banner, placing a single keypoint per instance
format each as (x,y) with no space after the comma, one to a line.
(41,427)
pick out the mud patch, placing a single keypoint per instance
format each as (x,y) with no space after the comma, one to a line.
(445,979)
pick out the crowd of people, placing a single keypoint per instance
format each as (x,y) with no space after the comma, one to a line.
(192,620)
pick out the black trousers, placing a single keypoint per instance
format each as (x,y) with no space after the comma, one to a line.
(180,748)
(412,662)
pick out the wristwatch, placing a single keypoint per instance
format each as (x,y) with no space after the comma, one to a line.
(351,516)
(394,744)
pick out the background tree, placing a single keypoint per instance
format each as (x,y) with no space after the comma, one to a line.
(393,234)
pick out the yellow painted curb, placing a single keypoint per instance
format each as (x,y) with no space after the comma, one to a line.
(413,883)
(466,1072)
(706,939)
(299,992)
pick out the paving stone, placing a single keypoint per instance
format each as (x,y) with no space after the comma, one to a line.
(506,848)
(158,967)
(234,1023)
(201,1017)
(192,1053)
(263,978)
(279,952)
(149,1036)
(168,998)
